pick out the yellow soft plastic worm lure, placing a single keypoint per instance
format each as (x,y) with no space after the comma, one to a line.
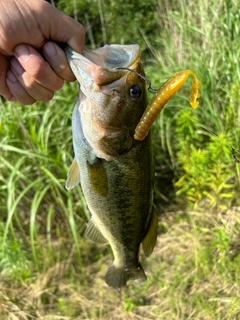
(167,90)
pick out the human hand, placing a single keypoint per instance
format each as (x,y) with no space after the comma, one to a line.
(32,65)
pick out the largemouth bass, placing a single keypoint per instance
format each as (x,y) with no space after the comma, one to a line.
(116,172)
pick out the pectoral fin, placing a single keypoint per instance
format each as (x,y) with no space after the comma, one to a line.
(150,239)
(98,176)
(94,234)
(73,176)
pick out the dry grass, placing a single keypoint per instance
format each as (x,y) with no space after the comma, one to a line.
(191,275)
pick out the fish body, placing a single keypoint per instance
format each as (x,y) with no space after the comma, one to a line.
(116,172)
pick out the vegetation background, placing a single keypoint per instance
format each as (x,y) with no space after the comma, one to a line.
(47,269)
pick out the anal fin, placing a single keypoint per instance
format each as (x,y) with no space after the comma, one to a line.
(73,176)
(149,241)
(94,234)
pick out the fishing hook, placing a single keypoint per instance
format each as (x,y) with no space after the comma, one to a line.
(150,89)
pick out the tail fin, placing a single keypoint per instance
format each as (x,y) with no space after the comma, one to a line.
(118,277)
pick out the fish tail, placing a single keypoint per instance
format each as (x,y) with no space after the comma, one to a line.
(118,277)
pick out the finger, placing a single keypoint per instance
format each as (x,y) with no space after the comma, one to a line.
(63,28)
(4,89)
(33,88)
(17,90)
(37,68)
(57,59)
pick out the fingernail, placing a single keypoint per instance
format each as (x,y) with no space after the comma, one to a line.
(15,65)
(49,50)
(22,52)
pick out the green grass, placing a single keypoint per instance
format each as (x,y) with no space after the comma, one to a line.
(197,143)
(49,271)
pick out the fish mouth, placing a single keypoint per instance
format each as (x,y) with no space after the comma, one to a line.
(98,66)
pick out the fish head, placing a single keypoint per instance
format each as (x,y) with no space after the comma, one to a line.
(111,101)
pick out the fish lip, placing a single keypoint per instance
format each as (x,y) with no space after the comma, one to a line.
(131,55)
(99,65)
(114,55)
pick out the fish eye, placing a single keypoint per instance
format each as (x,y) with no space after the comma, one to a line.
(135,92)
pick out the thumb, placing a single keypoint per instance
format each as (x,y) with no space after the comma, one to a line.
(62,28)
